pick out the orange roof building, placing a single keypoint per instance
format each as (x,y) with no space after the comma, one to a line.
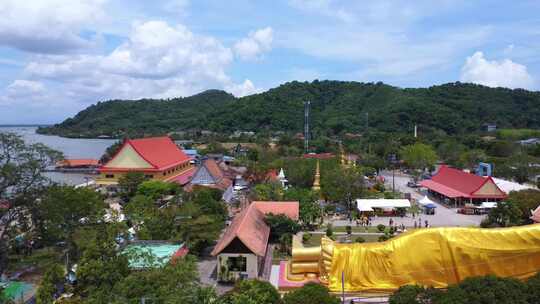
(156,157)
(242,249)
(78,163)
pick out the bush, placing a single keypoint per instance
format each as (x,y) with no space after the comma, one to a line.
(381,227)
(251,291)
(329,231)
(487,289)
(533,289)
(407,294)
(359,240)
(281,224)
(383,238)
(306,237)
(311,293)
(348,228)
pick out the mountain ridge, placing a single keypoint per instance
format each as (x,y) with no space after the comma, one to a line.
(337,107)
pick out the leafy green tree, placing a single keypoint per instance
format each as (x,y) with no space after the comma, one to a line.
(64,209)
(533,289)
(451,151)
(152,222)
(419,156)
(471,158)
(310,211)
(155,189)
(281,224)
(100,268)
(175,282)
(490,289)
(525,200)
(271,191)
(408,294)
(310,293)
(197,228)
(342,184)
(22,182)
(48,285)
(506,214)
(129,183)
(251,292)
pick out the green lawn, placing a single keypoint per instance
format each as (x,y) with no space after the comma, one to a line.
(315,239)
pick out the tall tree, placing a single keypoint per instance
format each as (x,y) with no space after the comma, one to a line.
(129,183)
(21,182)
(419,156)
(64,209)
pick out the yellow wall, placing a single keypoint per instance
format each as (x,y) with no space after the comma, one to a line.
(161,175)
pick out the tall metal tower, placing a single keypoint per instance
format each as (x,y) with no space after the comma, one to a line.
(307,105)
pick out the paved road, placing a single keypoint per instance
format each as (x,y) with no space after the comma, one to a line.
(443,217)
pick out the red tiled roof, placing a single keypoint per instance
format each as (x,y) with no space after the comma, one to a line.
(249,226)
(184,177)
(272,175)
(442,189)
(214,169)
(457,183)
(160,152)
(78,162)
(290,209)
(319,156)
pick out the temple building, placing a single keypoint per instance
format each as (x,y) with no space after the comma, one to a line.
(242,251)
(156,157)
(210,174)
(458,187)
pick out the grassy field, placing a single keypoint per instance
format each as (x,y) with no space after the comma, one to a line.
(315,239)
(516,134)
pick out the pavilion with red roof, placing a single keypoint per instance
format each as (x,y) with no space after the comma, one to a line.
(242,250)
(156,157)
(462,187)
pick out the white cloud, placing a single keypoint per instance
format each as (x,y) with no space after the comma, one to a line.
(257,43)
(48,26)
(21,89)
(504,73)
(157,60)
(243,89)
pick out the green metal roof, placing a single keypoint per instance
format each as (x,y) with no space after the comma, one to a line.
(147,255)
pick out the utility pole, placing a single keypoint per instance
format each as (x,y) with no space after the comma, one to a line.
(367,121)
(307,105)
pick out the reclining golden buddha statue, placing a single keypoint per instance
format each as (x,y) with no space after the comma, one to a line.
(430,257)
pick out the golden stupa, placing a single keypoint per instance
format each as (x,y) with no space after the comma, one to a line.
(317,180)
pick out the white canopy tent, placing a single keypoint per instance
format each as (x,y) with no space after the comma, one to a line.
(369,204)
(426,202)
(488,205)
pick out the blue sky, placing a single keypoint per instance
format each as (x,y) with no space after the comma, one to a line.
(59,56)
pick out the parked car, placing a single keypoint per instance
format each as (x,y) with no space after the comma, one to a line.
(412,184)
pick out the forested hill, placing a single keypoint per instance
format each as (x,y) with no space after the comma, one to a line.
(337,107)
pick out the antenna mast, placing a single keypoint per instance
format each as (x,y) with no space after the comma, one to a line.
(307,105)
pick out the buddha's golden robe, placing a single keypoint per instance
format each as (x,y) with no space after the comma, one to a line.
(431,257)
